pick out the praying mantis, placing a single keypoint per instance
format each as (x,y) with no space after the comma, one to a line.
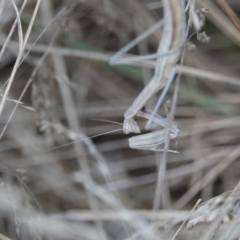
(173,38)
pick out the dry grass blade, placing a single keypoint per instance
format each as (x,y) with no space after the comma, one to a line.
(21,48)
(125,215)
(22,43)
(54,59)
(221,21)
(231,14)
(69,108)
(210,176)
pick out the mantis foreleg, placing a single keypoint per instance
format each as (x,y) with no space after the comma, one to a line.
(151,141)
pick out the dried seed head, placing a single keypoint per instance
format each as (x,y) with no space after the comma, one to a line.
(203,37)
(224,207)
(196,17)
(190,46)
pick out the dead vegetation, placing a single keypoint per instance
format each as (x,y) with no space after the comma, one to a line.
(56,182)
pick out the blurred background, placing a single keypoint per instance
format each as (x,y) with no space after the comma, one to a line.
(54,186)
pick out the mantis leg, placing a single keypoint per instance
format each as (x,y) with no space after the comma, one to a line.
(160,100)
(130,125)
(127,60)
(150,89)
(151,141)
(148,113)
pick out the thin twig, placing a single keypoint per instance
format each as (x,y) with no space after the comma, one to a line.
(184,222)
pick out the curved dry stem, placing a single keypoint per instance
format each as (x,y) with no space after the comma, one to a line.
(20,33)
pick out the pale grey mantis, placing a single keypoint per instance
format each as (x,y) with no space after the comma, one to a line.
(173,38)
(168,54)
